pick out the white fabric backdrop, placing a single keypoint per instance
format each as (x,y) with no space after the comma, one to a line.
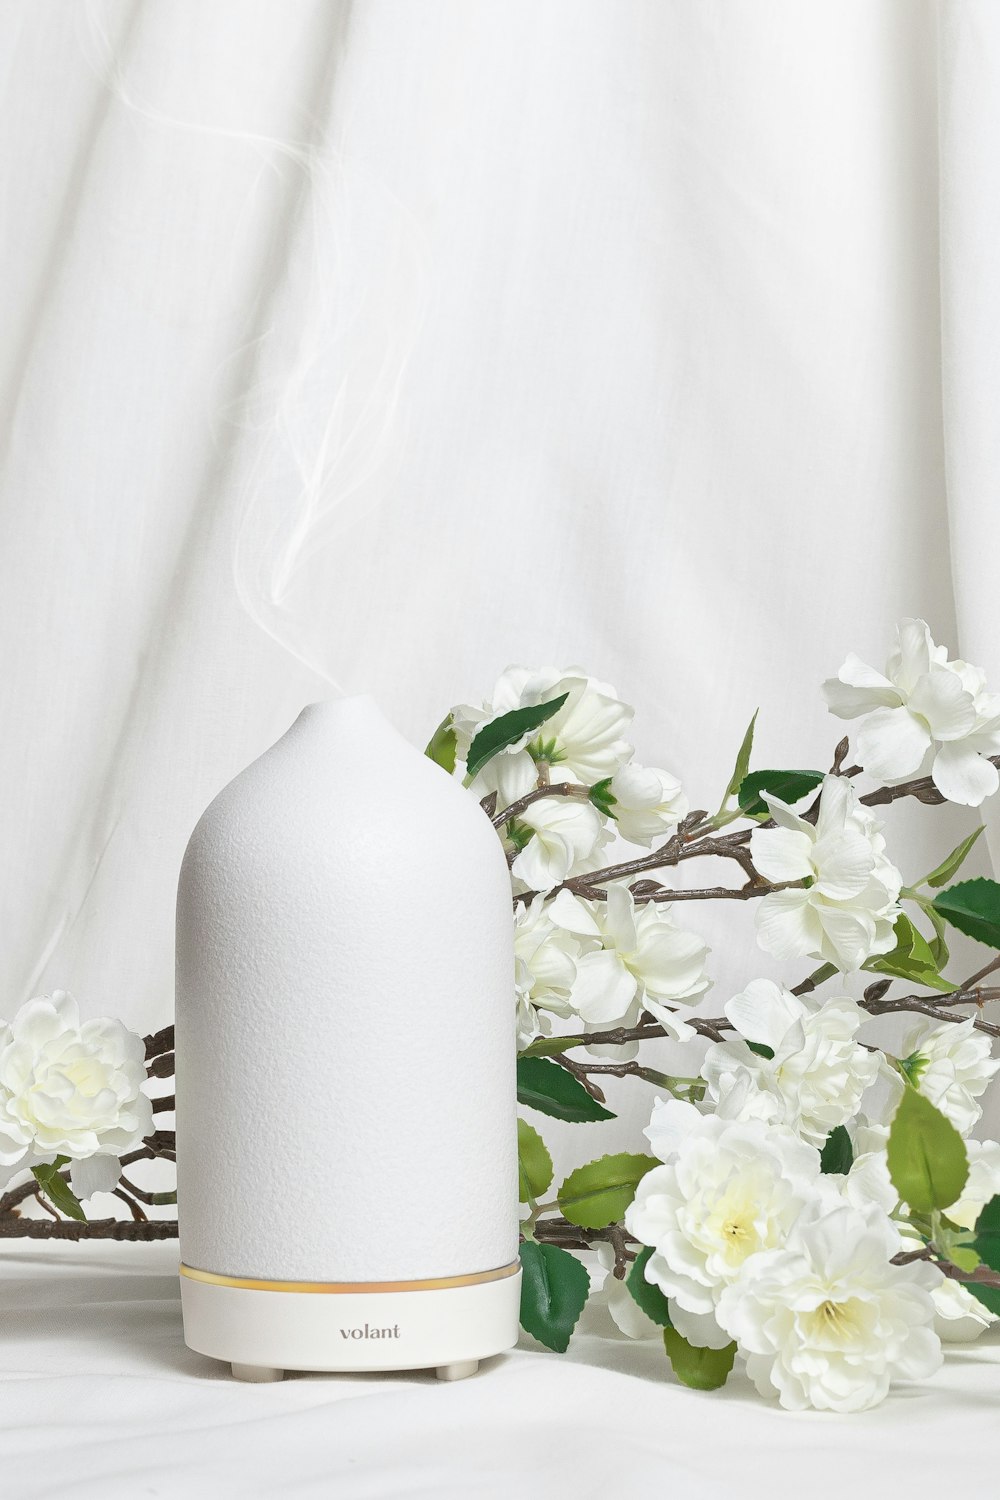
(422,337)
(375,345)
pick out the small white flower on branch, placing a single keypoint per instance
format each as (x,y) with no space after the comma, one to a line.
(817,1071)
(565,834)
(70,1088)
(647,803)
(925,714)
(544,970)
(583,741)
(640,959)
(950,1064)
(846,910)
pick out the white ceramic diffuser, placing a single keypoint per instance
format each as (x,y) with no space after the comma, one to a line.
(346,1148)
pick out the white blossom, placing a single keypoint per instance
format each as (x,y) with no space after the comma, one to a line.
(826,1320)
(925,713)
(583,741)
(950,1064)
(625,1313)
(565,832)
(846,911)
(70,1088)
(544,969)
(642,959)
(726,1191)
(647,803)
(818,1071)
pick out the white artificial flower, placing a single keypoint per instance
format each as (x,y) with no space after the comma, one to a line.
(583,741)
(950,1064)
(566,832)
(982,1183)
(959,1317)
(826,1321)
(544,969)
(641,959)
(847,910)
(727,1191)
(926,712)
(70,1088)
(647,803)
(818,1071)
(625,1313)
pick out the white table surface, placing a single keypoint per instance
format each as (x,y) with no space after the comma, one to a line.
(100,1398)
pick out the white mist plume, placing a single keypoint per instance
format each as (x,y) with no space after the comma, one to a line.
(320,425)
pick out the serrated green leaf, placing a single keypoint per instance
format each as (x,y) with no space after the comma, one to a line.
(547,1087)
(599,1193)
(506,730)
(57,1190)
(554,1291)
(926,1156)
(973,906)
(837,1154)
(602,797)
(987,1241)
(702,1369)
(534,1163)
(442,746)
(951,866)
(742,760)
(646,1294)
(789,786)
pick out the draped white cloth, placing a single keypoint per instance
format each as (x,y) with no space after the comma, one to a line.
(659,337)
(102,1401)
(371,346)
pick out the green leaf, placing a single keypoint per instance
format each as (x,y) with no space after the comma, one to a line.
(951,866)
(599,1193)
(762,1050)
(644,1293)
(973,906)
(987,1241)
(702,1369)
(602,797)
(837,1154)
(989,1296)
(788,785)
(926,1156)
(742,760)
(547,1087)
(911,958)
(506,730)
(441,747)
(554,1291)
(938,946)
(534,1163)
(58,1190)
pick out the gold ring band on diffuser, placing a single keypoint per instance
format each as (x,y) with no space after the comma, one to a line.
(447,1324)
(342,1288)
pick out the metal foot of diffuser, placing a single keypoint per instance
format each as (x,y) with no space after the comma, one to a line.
(263,1328)
(256,1374)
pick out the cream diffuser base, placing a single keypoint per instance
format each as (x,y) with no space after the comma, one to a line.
(264,1332)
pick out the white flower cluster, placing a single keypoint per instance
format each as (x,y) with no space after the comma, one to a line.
(70,1088)
(602,964)
(753,1243)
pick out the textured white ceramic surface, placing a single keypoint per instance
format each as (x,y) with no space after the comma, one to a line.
(345,1061)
